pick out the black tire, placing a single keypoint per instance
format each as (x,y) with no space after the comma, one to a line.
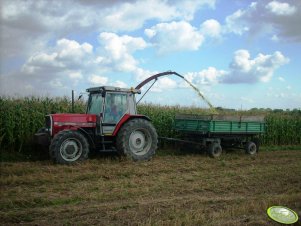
(68,147)
(251,148)
(137,140)
(215,150)
(257,142)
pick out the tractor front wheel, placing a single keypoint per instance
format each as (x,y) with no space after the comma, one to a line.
(68,147)
(137,140)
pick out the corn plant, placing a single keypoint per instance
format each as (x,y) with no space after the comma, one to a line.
(20,118)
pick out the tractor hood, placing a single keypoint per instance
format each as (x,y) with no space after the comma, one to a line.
(74,120)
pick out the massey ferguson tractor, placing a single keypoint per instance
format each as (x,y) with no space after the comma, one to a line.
(111,122)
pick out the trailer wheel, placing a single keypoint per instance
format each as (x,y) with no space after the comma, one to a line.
(137,140)
(215,150)
(68,147)
(257,142)
(251,148)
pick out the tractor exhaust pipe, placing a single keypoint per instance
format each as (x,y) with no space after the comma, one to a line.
(72,101)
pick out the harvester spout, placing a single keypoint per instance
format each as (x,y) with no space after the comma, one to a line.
(157,76)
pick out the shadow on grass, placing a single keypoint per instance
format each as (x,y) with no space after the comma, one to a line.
(280,147)
(180,149)
(38,153)
(28,153)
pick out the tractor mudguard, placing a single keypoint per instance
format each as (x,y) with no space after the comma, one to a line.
(126,118)
(88,137)
(42,137)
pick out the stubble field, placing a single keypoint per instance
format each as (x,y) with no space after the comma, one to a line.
(171,189)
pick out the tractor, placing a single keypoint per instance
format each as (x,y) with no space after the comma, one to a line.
(111,122)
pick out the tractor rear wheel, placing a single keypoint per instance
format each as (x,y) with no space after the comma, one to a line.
(68,147)
(137,140)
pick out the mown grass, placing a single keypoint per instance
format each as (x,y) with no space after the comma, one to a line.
(176,189)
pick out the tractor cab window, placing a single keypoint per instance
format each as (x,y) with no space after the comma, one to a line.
(95,104)
(115,107)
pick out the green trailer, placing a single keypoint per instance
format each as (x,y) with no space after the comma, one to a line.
(215,132)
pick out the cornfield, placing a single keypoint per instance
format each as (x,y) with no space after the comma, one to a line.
(20,118)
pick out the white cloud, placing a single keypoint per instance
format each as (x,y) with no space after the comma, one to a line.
(242,69)
(211,28)
(30,30)
(187,8)
(261,68)
(71,59)
(281,20)
(242,61)
(42,60)
(141,74)
(175,36)
(73,64)
(29,25)
(132,16)
(235,24)
(163,84)
(150,32)
(118,50)
(66,55)
(280,8)
(119,45)
(97,80)
(208,76)
(71,48)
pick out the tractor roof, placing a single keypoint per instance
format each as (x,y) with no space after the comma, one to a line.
(101,89)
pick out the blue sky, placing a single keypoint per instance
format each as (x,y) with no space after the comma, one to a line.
(239,53)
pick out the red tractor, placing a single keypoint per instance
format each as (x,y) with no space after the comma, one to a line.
(111,122)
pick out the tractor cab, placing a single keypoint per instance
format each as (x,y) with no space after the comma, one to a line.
(110,105)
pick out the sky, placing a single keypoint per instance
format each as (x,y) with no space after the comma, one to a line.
(241,54)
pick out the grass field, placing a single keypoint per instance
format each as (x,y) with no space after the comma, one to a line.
(171,189)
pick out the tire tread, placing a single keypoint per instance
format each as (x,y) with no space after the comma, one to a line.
(55,145)
(121,139)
